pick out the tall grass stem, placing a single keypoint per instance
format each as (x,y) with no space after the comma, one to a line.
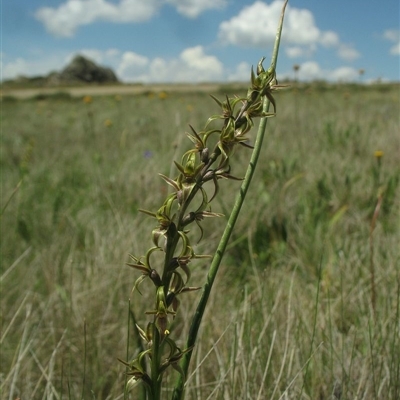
(216,262)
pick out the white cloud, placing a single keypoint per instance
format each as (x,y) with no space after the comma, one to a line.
(41,64)
(347,52)
(129,58)
(195,59)
(311,70)
(132,66)
(255,26)
(193,65)
(108,57)
(300,51)
(294,52)
(395,50)
(344,74)
(110,53)
(193,8)
(13,68)
(393,35)
(65,19)
(329,39)
(241,73)
(300,27)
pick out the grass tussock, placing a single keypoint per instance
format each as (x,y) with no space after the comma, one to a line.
(292,314)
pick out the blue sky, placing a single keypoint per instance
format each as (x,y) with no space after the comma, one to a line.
(202,40)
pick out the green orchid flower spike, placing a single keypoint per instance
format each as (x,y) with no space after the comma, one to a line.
(208,161)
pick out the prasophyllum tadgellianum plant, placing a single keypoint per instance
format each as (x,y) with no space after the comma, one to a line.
(188,204)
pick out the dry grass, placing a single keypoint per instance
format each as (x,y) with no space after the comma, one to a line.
(291,314)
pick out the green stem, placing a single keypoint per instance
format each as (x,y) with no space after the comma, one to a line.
(155,364)
(194,328)
(178,393)
(274,58)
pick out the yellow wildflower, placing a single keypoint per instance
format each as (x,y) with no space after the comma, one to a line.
(378,153)
(87,99)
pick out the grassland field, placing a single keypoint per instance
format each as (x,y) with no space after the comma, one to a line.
(307,302)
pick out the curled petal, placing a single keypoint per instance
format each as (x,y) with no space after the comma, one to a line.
(142,333)
(138,282)
(260,68)
(170,182)
(149,253)
(132,383)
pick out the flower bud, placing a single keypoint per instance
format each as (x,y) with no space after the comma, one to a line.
(155,277)
(260,68)
(208,175)
(205,155)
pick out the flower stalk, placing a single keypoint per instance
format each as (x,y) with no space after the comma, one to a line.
(201,165)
